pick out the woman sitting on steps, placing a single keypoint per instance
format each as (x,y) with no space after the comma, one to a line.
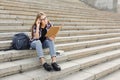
(39,41)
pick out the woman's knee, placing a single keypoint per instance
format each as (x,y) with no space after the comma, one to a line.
(36,43)
(50,41)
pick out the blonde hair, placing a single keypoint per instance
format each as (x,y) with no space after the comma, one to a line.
(37,17)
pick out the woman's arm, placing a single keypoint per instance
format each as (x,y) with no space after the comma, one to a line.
(36,34)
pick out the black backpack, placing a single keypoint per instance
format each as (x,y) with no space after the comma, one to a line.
(20,41)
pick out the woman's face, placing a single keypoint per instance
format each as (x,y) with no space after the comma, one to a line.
(44,20)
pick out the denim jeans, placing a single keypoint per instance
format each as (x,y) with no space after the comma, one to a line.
(40,46)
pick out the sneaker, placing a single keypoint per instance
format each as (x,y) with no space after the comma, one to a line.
(56,67)
(47,67)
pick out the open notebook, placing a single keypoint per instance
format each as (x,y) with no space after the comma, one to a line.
(53,31)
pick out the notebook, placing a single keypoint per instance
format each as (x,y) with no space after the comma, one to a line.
(53,31)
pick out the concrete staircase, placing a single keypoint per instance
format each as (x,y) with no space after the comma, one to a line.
(89,38)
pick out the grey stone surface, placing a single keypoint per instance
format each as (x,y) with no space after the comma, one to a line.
(110,5)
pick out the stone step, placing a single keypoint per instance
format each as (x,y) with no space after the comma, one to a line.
(96,72)
(14,18)
(61,3)
(44,8)
(104,69)
(49,2)
(53,8)
(86,37)
(44,3)
(30,18)
(82,13)
(63,28)
(20,14)
(60,13)
(12,55)
(97,11)
(71,38)
(59,40)
(29,23)
(52,17)
(51,13)
(7,44)
(113,76)
(59,6)
(58,21)
(67,67)
(5,36)
(8,36)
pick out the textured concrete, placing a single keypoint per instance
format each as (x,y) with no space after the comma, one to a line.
(110,5)
(113,76)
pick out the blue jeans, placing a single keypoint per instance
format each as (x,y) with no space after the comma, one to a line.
(46,44)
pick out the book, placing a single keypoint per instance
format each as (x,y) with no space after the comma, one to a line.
(53,31)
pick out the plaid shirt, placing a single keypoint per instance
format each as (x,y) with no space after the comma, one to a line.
(40,30)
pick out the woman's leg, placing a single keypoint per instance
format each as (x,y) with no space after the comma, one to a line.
(50,44)
(38,46)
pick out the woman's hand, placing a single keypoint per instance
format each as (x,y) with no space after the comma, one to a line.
(43,24)
(38,23)
(52,37)
(37,29)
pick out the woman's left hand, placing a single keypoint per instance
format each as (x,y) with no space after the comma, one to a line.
(52,37)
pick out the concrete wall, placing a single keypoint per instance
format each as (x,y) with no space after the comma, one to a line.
(110,5)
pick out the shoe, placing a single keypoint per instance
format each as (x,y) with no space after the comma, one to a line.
(47,67)
(56,67)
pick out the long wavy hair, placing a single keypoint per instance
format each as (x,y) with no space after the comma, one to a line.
(37,17)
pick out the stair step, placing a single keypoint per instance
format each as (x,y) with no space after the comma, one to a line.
(7,44)
(44,5)
(61,24)
(36,4)
(87,20)
(88,15)
(113,76)
(27,28)
(95,72)
(73,66)
(18,54)
(54,17)
(78,75)
(65,18)
(61,40)
(5,36)
(56,22)
(65,7)
(21,54)
(49,10)
(104,69)
(77,38)
(81,18)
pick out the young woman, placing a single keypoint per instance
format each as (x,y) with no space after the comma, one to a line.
(39,41)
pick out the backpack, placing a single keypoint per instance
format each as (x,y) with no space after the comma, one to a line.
(20,41)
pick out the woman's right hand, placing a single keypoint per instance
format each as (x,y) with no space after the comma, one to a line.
(38,23)
(37,29)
